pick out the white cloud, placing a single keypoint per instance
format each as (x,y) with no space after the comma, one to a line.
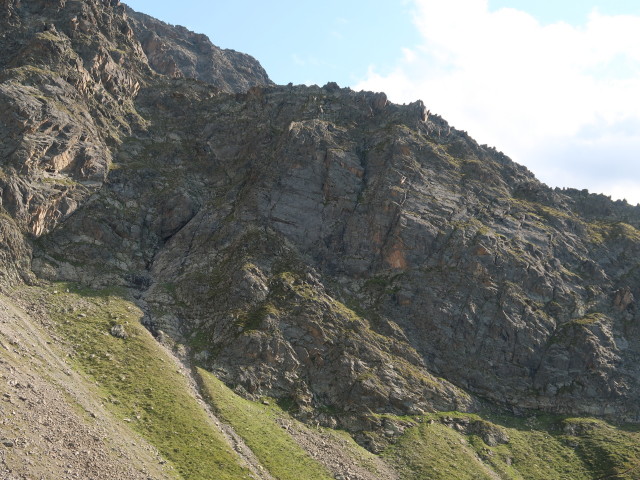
(528,88)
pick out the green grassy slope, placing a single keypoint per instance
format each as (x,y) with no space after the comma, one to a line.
(537,448)
(435,452)
(257,425)
(139,382)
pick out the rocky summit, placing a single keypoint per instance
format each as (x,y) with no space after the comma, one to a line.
(205,275)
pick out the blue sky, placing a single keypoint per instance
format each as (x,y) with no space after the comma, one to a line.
(300,42)
(553,84)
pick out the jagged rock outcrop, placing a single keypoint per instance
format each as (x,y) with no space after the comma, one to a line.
(177,52)
(66,98)
(317,245)
(67,88)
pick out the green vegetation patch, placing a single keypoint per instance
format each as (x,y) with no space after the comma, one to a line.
(434,451)
(542,447)
(140,382)
(257,425)
(609,452)
(536,453)
(252,320)
(624,230)
(589,319)
(601,232)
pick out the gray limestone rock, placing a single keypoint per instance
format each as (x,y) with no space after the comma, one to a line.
(119,331)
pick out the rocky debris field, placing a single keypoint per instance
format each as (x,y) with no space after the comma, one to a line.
(53,423)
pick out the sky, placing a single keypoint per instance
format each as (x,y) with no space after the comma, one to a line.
(554,84)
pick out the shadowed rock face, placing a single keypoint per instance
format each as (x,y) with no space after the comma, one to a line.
(313,244)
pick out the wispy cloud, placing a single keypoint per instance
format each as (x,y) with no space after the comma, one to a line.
(339,23)
(298,60)
(561,99)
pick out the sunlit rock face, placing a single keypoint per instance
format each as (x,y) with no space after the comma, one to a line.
(312,244)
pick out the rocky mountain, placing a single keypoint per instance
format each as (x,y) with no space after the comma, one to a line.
(321,270)
(177,52)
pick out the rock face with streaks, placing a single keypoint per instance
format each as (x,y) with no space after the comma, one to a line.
(313,244)
(70,74)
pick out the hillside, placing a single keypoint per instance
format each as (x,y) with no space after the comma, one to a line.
(206,275)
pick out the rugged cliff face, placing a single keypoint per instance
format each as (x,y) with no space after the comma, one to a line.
(70,73)
(177,52)
(352,258)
